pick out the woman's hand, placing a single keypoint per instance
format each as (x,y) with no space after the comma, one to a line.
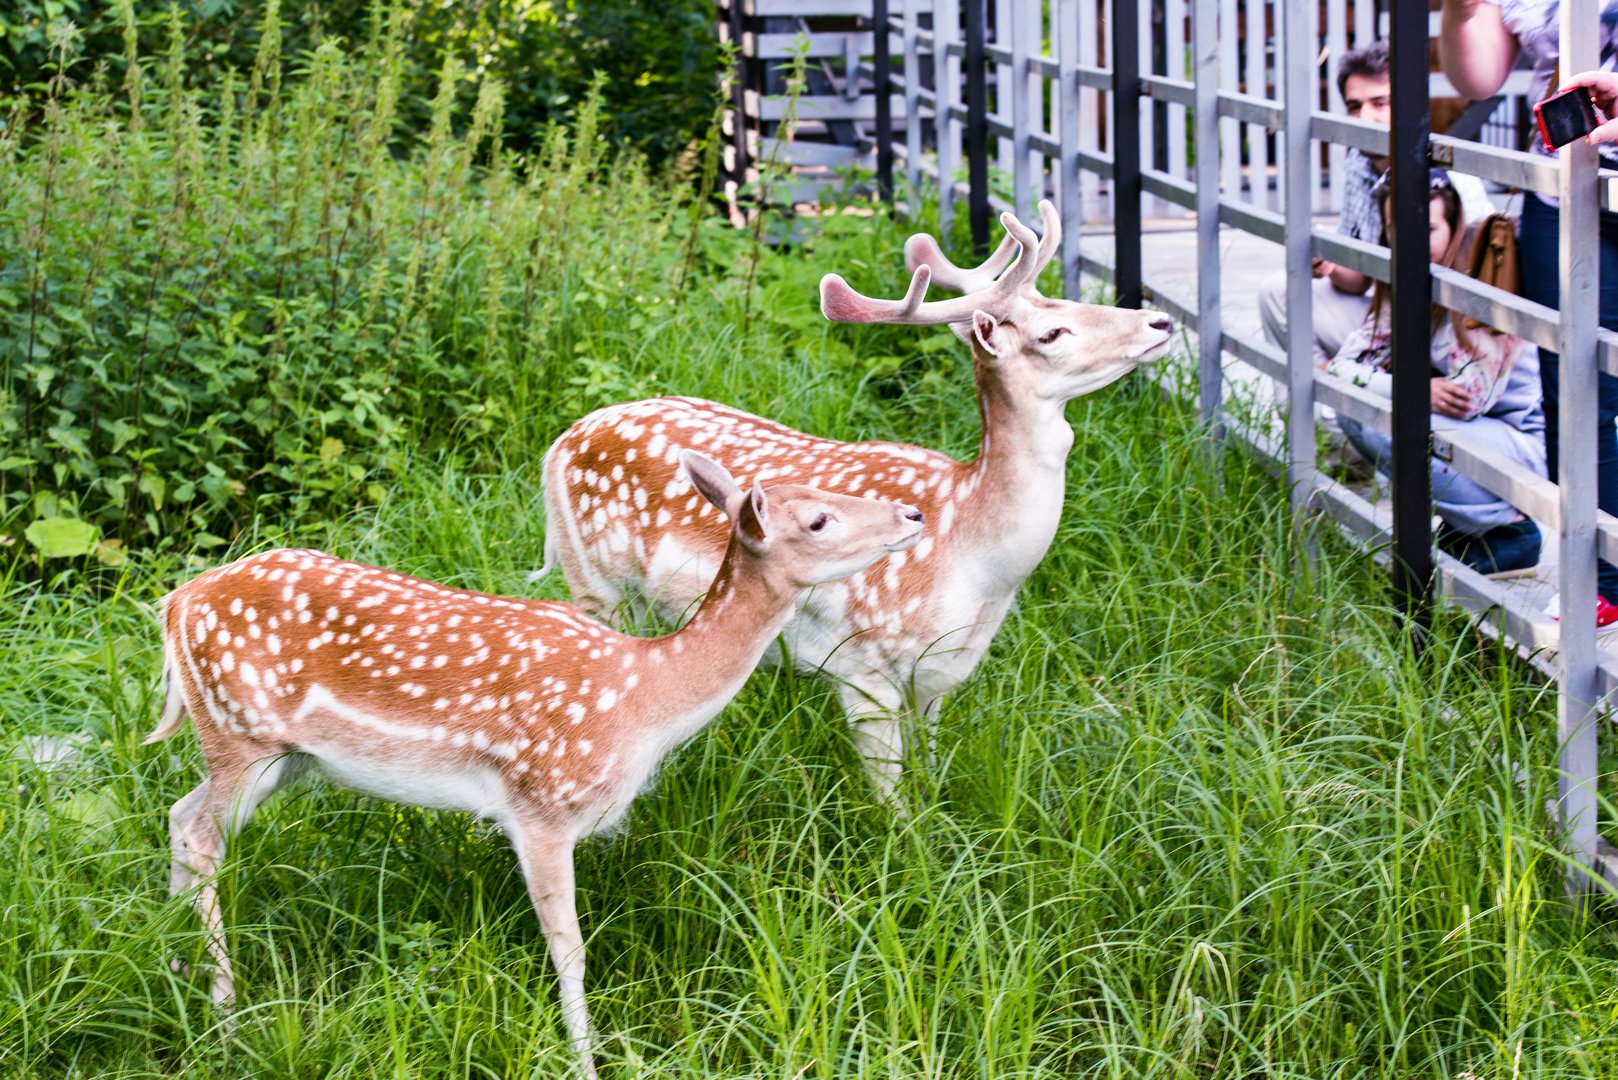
(1604,92)
(1451,400)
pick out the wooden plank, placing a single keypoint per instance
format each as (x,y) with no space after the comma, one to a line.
(798,152)
(1298,84)
(1531,172)
(1230,135)
(1176,57)
(773,107)
(1248,218)
(805,9)
(1336,45)
(1173,91)
(1094,83)
(1069,134)
(1251,110)
(1170,189)
(1021,89)
(1369,139)
(1368,258)
(1256,82)
(783,46)
(946,125)
(911,51)
(997,51)
(1210,367)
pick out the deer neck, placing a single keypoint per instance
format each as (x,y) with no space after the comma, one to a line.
(1008,502)
(1022,457)
(712,655)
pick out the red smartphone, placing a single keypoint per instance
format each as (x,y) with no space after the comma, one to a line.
(1566,116)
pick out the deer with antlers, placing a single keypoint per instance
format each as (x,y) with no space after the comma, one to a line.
(523,711)
(895,638)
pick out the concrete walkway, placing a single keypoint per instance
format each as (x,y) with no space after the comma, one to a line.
(1169,256)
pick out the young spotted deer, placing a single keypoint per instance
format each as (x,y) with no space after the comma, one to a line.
(523,711)
(622,525)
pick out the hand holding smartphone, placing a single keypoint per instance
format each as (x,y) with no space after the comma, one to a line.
(1566,116)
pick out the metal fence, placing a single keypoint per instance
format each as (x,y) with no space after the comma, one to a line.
(1066,115)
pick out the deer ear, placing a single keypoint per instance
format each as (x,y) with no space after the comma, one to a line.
(711,480)
(986,329)
(753,520)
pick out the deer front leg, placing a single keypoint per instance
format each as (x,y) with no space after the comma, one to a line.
(876,721)
(547,867)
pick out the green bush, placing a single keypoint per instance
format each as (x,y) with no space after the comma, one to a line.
(225,309)
(658,59)
(210,311)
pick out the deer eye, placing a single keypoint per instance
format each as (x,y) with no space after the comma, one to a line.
(819,523)
(1051,335)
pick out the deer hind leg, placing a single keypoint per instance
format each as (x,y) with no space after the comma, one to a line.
(200,824)
(547,867)
(876,719)
(929,714)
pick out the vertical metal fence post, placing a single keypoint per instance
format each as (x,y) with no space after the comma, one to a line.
(912,60)
(1205,53)
(1410,285)
(1297,98)
(977,124)
(1092,105)
(1257,80)
(1067,102)
(946,95)
(882,68)
(1126,154)
(1230,135)
(1023,44)
(1576,705)
(738,96)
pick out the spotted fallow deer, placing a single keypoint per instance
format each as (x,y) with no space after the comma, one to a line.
(623,526)
(523,711)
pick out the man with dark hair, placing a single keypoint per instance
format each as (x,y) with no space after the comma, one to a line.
(1342,295)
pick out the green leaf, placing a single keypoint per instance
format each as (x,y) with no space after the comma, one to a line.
(152,486)
(43,374)
(62,537)
(111,553)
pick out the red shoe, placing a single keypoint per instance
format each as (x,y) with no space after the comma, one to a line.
(1606,614)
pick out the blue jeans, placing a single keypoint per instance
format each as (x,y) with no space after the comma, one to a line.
(1539,243)
(1465,505)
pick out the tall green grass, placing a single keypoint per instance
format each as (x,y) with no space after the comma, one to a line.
(1199,813)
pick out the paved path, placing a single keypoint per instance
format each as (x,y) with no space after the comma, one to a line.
(1169,256)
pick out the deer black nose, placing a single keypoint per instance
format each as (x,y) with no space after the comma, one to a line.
(1162,324)
(915,515)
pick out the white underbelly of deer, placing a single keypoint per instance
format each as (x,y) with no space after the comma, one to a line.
(464,786)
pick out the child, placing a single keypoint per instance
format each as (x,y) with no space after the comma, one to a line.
(1483,382)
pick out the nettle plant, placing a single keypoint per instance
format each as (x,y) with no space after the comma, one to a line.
(253,299)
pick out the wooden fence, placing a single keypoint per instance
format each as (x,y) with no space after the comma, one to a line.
(1068,99)
(840,106)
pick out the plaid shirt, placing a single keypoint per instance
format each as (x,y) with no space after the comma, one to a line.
(1361,217)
